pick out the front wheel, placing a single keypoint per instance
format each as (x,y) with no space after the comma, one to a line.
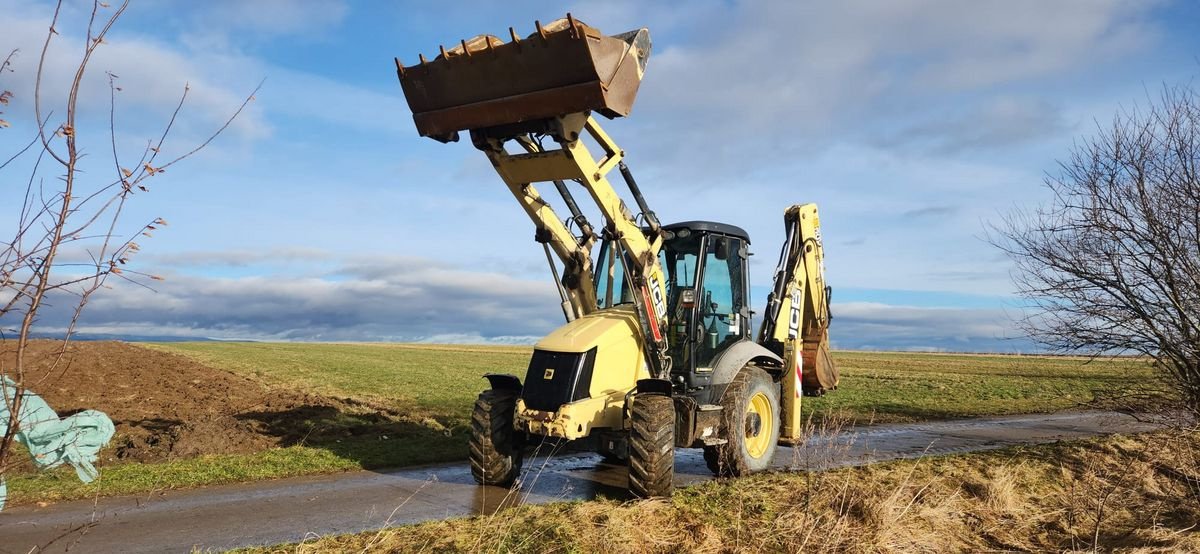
(749,424)
(497,450)
(652,445)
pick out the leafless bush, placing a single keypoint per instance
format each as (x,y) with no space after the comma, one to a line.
(1112,263)
(67,242)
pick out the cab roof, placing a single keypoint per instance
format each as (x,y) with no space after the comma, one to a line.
(710,227)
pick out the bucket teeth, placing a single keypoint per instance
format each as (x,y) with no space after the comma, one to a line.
(563,67)
(479,43)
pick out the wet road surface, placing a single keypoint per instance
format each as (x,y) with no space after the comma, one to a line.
(289,510)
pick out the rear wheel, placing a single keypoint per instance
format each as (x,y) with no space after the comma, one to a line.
(652,445)
(749,424)
(496,447)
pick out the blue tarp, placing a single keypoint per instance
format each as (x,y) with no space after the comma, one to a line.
(51,440)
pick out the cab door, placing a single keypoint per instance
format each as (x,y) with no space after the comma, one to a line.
(721,312)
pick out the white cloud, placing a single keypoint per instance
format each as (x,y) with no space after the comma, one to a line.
(408,299)
(874,326)
(419,300)
(756,84)
(993,122)
(236,258)
(151,74)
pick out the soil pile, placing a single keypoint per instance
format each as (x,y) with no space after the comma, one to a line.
(167,406)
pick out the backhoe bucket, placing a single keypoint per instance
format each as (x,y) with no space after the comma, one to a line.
(820,372)
(565,67)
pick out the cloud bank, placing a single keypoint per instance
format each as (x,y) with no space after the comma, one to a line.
(420,300)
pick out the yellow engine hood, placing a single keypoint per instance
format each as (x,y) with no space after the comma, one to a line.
(601,329)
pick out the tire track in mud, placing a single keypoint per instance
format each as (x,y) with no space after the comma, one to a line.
(288,510)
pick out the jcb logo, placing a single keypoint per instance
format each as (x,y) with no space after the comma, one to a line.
(656,294)
(794,319)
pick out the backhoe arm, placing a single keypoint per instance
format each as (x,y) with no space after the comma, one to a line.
(796,323)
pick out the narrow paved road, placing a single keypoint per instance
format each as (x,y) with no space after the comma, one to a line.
(289,510)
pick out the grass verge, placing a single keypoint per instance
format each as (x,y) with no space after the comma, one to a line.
(1117,493)
(148,478)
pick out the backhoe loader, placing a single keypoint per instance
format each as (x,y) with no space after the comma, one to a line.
(656,352)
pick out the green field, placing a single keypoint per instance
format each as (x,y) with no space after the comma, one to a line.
(435,381)
(436,386)
(442,381)
(891,387)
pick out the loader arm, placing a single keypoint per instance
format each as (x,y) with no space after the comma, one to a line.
(544,88)
(572,161)
(796,323)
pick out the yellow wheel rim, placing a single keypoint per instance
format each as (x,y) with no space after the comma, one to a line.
(758,440)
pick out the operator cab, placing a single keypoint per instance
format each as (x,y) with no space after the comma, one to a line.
(707,294)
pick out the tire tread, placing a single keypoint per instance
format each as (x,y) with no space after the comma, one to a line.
(652,446)
(495,447)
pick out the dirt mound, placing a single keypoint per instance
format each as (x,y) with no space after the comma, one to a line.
(167,406)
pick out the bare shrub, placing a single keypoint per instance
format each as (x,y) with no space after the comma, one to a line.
(68,242)
(1112,262)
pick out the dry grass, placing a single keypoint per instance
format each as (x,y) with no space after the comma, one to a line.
(1138,494)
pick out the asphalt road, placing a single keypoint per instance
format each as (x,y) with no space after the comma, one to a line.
(289,510)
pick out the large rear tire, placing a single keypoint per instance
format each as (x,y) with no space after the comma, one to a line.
(652,446)
(497,450)
(749,423)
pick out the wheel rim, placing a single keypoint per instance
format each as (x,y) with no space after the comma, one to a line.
(758,438)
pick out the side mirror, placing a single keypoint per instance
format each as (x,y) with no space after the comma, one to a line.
(721,250)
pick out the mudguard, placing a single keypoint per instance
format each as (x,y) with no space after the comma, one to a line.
(654,386)
(733,359)
(504,381)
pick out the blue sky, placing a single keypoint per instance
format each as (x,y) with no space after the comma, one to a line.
(321,215)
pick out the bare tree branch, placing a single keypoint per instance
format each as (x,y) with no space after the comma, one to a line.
(1112,263)
(69,210)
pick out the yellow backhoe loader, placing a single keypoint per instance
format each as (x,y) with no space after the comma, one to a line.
(657,350)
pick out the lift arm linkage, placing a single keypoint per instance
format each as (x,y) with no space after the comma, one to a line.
(572,161)
(796,324)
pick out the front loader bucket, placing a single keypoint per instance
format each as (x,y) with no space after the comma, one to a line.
(565,67)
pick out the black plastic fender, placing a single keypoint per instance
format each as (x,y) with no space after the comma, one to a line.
(504,381)
(654,386)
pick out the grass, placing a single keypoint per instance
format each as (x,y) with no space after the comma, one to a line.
(1116,493)
(139,478)
(434,381)
(61,484)
(436,386)
(898,387)
(442,381)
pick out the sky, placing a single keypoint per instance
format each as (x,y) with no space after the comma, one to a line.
(319,214)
